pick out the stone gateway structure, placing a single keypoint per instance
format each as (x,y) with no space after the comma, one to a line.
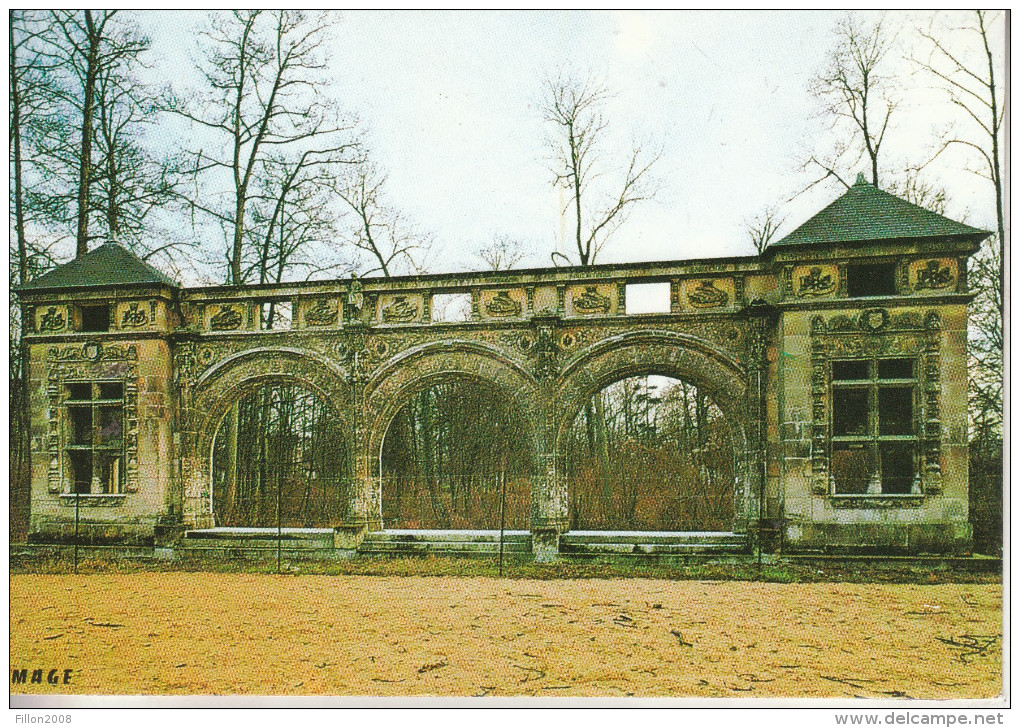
(838,359)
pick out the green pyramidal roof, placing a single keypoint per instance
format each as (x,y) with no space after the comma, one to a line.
(107,265)
(867,213)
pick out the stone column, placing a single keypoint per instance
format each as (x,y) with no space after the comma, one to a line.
(548,507)
(364,511)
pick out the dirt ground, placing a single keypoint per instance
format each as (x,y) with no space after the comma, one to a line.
(201,633)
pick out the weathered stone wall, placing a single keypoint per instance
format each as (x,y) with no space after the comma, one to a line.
(757,335)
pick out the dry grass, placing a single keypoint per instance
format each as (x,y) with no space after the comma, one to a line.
(203,633)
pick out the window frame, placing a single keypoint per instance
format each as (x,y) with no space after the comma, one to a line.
(873,441)
(113,452)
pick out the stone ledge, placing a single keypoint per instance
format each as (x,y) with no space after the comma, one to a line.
(90,500)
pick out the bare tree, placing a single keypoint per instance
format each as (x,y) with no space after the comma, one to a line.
(912,187)
(762,228)
(973,89)
(86,47)
(503,253)
(857,99)
(575,110)
(295,222)
(128,181)
(263,71)
(379,230)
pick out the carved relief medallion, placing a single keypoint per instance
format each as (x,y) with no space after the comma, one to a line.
(324,312)
(502,304)
(226,319)
(133,316)
(816,280)
(52,320)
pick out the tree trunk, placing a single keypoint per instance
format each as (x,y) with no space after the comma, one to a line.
(85,157)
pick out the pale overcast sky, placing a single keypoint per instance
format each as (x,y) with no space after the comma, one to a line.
(448,101)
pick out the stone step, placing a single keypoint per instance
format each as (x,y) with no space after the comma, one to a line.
(243,551)
(260,538)
(648,549)
(437,536)
(668,538)
(442,547)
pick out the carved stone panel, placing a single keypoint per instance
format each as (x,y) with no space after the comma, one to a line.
(227,316)
(933,275)
(401,308)
(133,315)
(51,319)
(321,312)
(700,294)
(502,303)
(815,281)
(591,300)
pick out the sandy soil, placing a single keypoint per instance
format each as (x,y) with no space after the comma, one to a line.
(200,633)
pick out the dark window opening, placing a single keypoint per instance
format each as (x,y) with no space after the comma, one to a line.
(895,368)
(80,419)
(81,471)
(95,437)
(874,427)
(877,279)
(849,370)
(95,318)
(895,410)
(850,412)
(897,468)
(111,391)
(79,392)
(852,466)
(109,472)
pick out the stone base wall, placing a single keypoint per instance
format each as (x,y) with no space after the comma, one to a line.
(878,538)
(136,532)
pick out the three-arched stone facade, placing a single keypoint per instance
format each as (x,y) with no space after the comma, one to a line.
(545,372)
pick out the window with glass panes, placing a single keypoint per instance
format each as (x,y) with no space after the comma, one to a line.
(95,442)
(874,435)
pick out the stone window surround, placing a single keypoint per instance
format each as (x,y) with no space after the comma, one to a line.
(94,363)
(875,333)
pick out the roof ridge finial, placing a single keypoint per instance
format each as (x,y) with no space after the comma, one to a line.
(861,179)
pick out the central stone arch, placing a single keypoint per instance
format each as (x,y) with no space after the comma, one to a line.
(219,388)
(446,361)
(671,354)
